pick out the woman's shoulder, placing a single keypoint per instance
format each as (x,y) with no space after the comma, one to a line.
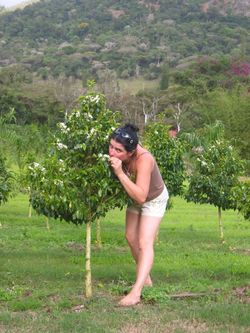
(143,155)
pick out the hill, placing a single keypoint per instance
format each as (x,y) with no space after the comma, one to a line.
(186,58)
(226,7)
(83,38)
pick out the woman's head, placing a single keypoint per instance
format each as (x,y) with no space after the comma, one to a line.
(127,136)
(123,141)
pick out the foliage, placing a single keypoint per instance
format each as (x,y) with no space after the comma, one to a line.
(205,74)
(75,182)
(168,153)
(241,69)
(243,199)
(164,82)
(33,102)
(231,107)
(143,34)
(215,175)
(21,145)
(6,179)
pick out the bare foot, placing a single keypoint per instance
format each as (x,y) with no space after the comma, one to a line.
(148,282)
(129,300)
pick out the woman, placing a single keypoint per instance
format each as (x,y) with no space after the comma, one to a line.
(138,173)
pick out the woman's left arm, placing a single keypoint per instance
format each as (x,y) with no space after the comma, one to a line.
(138,191)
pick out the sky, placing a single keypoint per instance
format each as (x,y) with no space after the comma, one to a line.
(9,3)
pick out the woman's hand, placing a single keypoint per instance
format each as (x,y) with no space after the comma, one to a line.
(116,165)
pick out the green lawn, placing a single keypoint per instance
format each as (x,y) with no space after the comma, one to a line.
(200,285)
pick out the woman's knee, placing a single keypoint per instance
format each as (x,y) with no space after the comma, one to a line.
(145,244)
(132,239)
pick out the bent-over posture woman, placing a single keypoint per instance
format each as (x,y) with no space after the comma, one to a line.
(138,173)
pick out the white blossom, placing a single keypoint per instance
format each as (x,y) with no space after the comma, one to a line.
(61,146)
(36,166)
(88,116)
(198,149)
(75,113)
(92,131)
(63,127)
(78,146)
(58,182)
(103,157)
(94,99)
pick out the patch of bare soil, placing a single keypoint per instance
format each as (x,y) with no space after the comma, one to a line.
(187,326)
(75,246)
(243,293)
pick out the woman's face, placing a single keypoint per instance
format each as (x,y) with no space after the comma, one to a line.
(117,150)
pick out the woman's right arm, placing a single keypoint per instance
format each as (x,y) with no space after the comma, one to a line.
(138,191)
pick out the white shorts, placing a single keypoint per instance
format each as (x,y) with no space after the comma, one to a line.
(155,207)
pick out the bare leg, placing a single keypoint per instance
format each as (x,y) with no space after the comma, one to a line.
(132,236)
(148,227)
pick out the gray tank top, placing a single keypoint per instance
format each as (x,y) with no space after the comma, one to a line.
(156,185)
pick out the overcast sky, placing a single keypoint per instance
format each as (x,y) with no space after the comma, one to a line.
(9,3)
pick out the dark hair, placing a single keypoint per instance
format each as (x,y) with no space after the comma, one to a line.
(127,136)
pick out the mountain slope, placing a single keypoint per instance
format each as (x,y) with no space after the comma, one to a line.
(228,7)
(83,37)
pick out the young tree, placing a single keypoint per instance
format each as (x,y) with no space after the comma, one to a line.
(5,182)
(75,182)
(215,176)
(168,153)
(243,199)
(6,177)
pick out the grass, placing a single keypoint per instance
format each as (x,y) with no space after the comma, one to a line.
(200,285)
(133,86)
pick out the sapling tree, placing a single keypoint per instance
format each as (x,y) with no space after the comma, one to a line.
(243,198)
(6,177)
(168,153)
(5,182)
(75,182)
(215,176)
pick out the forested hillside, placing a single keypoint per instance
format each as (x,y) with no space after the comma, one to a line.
(80,37)
(193,54)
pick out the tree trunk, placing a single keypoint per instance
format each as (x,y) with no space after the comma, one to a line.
(47,223)
(30,210)
(88,283)
(30,206)
(98,234)
(221,226)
